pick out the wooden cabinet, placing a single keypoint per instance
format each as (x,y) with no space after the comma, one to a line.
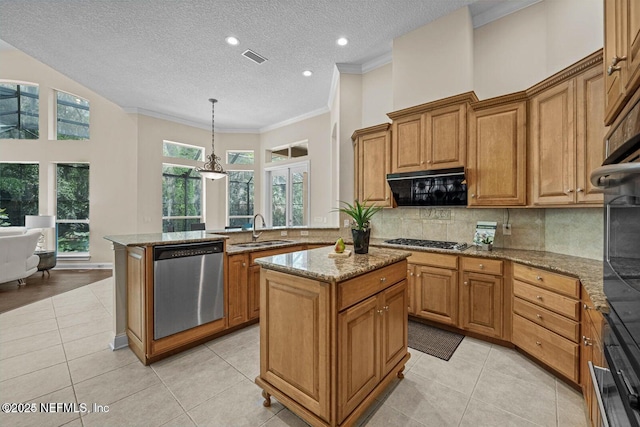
(590,351)
(237,290)
(496,167)
(566,134)
(315,337)
(481,296)
(621,54)
(546,315)
(372,163)
(433,284)
(431,135)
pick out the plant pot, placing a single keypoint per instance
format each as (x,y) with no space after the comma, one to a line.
(485,246)
(361,240)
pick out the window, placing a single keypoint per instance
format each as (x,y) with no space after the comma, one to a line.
(240,157)
(286,152)
(288,198)
(72,116)
(181,197)
(177,150)
(241,191)
(19,110)
(18,192)
(72,208)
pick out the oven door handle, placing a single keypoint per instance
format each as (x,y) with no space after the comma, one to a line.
(596,388)
(598,176)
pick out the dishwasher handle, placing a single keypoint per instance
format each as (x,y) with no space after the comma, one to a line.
(164,252)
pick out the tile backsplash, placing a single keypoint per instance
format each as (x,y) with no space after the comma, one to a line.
(577,232)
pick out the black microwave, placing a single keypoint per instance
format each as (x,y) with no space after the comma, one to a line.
(442,187)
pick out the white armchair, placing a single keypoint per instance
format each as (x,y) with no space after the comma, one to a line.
(17,258)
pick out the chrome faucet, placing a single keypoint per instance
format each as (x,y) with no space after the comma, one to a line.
(255,236)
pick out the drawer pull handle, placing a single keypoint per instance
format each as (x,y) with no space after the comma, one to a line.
(466,283)
(539,316)
(481,266)
(244,264)
(538,343)
(539,297)
(538,278)
(586,307)
(587,341)
(380,312)
(418,275)
(383,279)
(386,308)
(411,274)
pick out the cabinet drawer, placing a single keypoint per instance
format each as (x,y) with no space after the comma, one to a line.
(353,290)
(557,352)
(482,265)
(433,259)
(547,319)
(560,304)
(272,252)
(557,282)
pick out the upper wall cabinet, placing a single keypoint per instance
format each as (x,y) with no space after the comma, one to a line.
(496,166)
(566,134)
(431,136)
(621,54)
(372,163)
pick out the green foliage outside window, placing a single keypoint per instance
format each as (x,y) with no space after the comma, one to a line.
(181,151)
(241,193)
(72,181)
(18,192)
(181,197)
(72,117)
(19,111)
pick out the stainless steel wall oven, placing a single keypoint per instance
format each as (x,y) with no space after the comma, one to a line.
(619,382)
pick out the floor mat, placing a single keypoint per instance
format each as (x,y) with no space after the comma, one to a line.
(433,341)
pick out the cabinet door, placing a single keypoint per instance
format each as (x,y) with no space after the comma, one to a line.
(445,136)
(393,342)
(407,152)
(590,132)
(633,43)
(437,294)
(497,156)
(552,134)
(237,295)
(136,301)
(358,354)
(254,292)
(374,163)
(614,46)
(481,304)
(411,288)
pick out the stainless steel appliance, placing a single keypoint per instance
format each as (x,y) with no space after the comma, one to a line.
(619,382)
(188,286)
(437,244)
(445,187)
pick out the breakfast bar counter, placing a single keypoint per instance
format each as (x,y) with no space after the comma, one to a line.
(333,331)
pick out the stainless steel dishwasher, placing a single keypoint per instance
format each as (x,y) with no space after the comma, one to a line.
(188,286)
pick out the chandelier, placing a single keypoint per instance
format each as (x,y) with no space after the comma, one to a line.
(212,168)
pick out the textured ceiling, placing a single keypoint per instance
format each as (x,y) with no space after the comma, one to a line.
(169,57)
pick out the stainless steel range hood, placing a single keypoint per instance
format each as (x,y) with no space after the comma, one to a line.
(439,187)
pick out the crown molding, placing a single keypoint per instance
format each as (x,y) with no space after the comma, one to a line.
(296,119)
(191,123)
(371,129)
(500,11)
(500,100)
(364,68)
(595,59)
(466,97)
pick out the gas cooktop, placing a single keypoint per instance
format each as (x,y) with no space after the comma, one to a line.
(437,244)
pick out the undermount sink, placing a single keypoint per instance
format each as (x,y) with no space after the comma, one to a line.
(262,243)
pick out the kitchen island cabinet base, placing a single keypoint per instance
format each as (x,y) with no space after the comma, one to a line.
(268,390)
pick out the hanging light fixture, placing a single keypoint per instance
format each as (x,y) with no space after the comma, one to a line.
(212,168)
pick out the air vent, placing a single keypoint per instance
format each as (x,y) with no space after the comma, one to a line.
(253,56)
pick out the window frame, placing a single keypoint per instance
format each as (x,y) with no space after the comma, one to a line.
(19,113)
(22,211)
(72,255)
(290,168)
(200,217)
(250,216)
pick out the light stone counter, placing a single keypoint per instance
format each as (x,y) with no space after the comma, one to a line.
(174,238)
(316,263)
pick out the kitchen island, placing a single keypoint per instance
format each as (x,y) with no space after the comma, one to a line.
(333,331)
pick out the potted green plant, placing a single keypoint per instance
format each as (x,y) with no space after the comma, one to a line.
(361,215)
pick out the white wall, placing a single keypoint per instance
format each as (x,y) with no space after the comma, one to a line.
(350,120)
(377,96)
(317,131)
(111,152)
(522,49)
(433,62)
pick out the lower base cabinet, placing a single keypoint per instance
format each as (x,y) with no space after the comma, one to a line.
(591,351)
(481,296)
(307,327)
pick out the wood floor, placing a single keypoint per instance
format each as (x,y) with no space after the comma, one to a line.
(42,286)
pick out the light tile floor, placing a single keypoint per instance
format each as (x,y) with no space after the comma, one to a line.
(56,350)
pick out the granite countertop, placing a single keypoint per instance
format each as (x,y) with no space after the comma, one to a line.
(316,264)
(237,248)
(155,239)
(589,271)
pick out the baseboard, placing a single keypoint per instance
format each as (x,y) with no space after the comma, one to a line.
(119,341)
(83,266)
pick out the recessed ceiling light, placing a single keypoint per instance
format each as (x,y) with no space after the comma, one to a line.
(307,73)
(232,41)
(342,41)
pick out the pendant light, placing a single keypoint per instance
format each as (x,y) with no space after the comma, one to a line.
(212,168)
